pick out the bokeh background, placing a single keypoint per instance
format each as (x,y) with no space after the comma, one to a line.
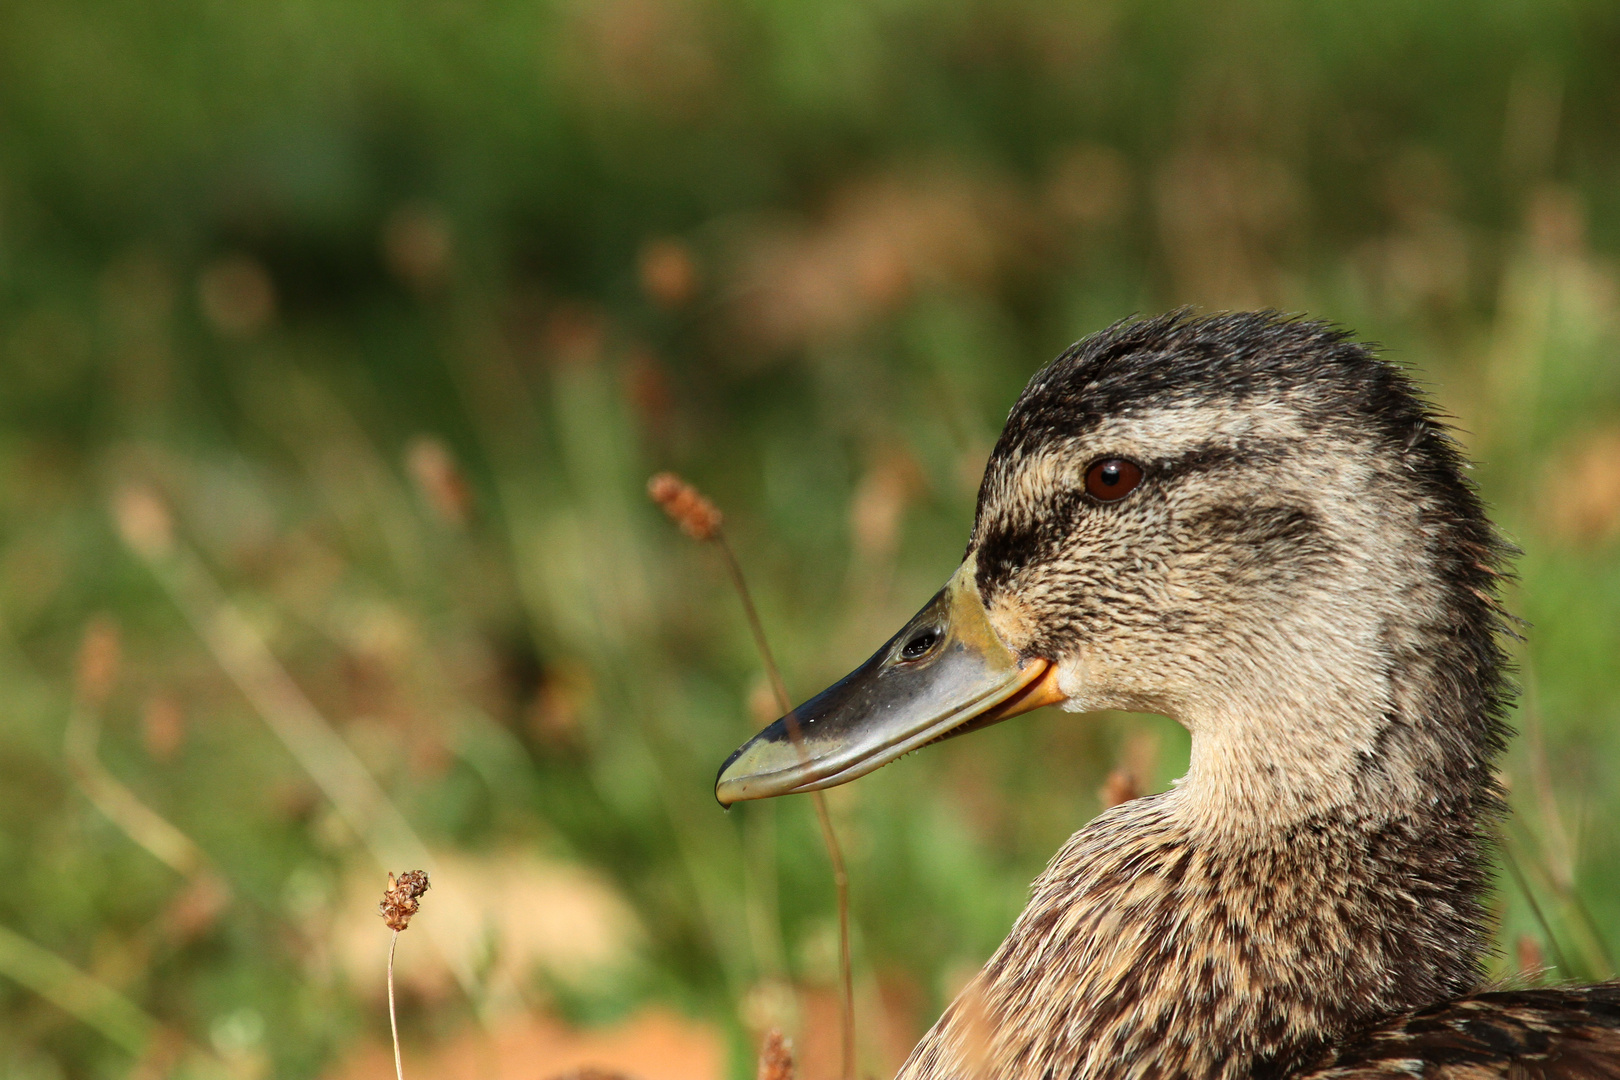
(338,341)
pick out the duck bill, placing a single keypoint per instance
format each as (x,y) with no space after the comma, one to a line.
(945,673)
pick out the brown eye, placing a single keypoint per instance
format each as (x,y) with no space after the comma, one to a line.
(1112,479)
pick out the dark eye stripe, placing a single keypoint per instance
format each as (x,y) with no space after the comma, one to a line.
(1019,534)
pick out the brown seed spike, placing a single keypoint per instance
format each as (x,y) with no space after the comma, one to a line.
(1120,787)
(686,506)
(775,1057)
(98,661)
(403,898)
(1531,964)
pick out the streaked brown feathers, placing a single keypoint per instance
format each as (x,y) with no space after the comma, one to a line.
(1549,1034)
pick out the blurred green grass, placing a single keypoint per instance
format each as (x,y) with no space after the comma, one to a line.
(392,308)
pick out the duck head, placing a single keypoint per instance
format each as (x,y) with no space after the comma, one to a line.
(1244,522)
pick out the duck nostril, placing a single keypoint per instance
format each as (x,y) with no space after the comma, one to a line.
(919,645)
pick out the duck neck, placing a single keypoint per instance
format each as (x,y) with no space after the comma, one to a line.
(1356,757)
(1277,899)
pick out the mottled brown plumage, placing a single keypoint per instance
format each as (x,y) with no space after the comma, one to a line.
(1569,1034)
(1304,579)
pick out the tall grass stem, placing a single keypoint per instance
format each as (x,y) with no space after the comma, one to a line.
(700,519)
(829,837)
(246,658)
(1559,958)
(393,1018)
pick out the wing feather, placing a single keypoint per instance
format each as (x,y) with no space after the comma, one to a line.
(1552,1034)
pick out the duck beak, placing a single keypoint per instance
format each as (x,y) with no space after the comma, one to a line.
(945,673)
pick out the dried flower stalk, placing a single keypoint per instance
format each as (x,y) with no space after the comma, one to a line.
(687,507)
(1532,964)
(700,519)
(401,900)
(1120,787)
(775,1057)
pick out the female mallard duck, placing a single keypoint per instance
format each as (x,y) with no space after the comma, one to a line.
(1254,526)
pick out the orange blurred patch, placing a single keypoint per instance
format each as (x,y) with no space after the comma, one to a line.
(819,1048)
(647,388)
(888,1022)
(879,241)
(163,726)
(1088,185)
(196,909)
(652,55)
(438,478)
(1120,787)
(762,705)
(418,246)
(879,503)
(1224,219)
(655,1044)
(574,334)
(1532,965)
(901,1021)
(99,654)
(1583,507)
(555,712)
(237,296)
(669,273)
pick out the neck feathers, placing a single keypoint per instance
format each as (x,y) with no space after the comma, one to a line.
(1147,951)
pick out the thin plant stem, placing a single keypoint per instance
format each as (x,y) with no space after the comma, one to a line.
(1535,910)
(1559,868)
(244,655)
(401,901)
(393,1020)
(80,995)
(829,838)
(117,802)
(755,626)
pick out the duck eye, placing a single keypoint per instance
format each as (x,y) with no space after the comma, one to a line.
(1111,479)
(919,645)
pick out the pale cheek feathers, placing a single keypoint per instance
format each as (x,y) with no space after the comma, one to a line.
(1015,617)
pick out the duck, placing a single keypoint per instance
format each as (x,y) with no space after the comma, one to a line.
(1254,525)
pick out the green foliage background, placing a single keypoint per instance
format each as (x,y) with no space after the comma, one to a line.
(292,273)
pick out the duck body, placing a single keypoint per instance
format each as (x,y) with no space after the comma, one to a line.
(1149,951)
(1148,943)
(1254,526)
